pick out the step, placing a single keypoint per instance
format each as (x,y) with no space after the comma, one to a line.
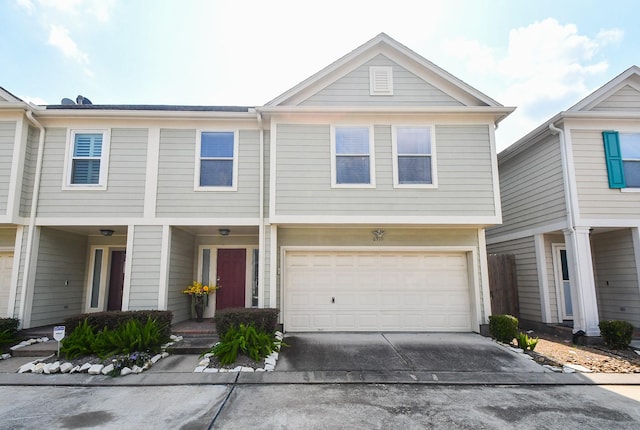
(193,345)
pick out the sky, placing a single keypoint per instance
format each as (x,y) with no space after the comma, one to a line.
(540,56)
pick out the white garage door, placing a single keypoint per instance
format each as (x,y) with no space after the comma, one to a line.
(6,264)
(376,291)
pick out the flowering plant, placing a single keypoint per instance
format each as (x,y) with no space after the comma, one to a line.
(198,290)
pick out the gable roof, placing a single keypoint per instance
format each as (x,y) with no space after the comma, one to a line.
(384,44)
(607,89)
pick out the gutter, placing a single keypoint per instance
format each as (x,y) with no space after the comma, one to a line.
(32,220)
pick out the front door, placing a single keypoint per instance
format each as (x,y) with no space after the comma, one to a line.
(232,271)
(116,280)
(563,284)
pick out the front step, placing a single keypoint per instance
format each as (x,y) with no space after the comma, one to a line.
(193,345)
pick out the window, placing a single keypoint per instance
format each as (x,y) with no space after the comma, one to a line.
(413,156)
(630,150)
(352,161)
(217,160)
(87,161)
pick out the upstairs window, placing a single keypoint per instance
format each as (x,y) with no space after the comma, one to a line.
(413,157)
(87,162)
(352,159)
(630,149)
(217,160)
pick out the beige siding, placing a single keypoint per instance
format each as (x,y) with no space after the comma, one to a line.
(549,241)
(526,274)
(7,236)
(7,137)
(531,189)
(596,199)
(303,181)
(625,99)
(30,159)
(124,195)
(59,282)
(353,89)
(267,267)
(176,195)
(145,267)
(181,273)
(267,171)
(617,279)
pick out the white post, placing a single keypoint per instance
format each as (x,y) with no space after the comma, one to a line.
(581,277)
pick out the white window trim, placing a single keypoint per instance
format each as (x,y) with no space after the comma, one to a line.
(394,149)
(234,180)
(628,189)
(104,160)
(372,158)
(105,269)
(388,72)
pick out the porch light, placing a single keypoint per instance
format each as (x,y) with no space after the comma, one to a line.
(106,232)
(224,231)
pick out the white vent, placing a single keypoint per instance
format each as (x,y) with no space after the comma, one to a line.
(381,81)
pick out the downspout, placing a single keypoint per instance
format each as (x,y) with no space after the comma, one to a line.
(261,248)
(32,219)
(565,177)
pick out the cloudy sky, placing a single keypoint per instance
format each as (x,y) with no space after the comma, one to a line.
(540,56)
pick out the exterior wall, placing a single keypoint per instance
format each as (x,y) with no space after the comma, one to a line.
(549,240)
(616,276)
(145,267)
(526,274)
(626,99)
(266,249)
(531,189)
(353,89)
(596,199)
(267,171)
(21,263)
(181,273)
(7,138)
(7,236)
(176,195)
(124,195)
(303,181)
(61,260)
(29,173)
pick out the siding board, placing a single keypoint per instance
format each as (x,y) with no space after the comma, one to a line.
(145,267)
(181,268)
(625,99)
(7,138)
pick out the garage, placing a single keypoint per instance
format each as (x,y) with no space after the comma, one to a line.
(376,291)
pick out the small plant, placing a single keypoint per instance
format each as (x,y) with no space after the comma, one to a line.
(128,360)
(503,327)
(79,342)
(616,334)
(525,342)
(256,344)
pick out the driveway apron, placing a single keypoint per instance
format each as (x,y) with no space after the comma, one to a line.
(437,352)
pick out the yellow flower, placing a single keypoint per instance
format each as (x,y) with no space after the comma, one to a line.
(205,289)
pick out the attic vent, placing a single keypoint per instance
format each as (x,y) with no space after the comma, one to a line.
(381,81)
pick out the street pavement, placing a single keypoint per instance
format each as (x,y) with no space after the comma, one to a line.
(327,381)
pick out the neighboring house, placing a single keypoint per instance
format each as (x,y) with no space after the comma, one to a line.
(571,211)
(355,201)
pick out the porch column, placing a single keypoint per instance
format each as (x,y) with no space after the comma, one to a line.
(582,280)
(635,235)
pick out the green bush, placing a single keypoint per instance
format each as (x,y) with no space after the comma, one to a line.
(127,338)
(255,343)
(265,319)
(8,331)
(616,334)
(503,327)
(113,319)
(525,342)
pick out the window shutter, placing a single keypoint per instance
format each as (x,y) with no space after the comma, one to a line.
(613,157)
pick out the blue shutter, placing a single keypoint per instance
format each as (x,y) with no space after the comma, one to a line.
(613,156)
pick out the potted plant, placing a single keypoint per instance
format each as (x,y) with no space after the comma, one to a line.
(200,296)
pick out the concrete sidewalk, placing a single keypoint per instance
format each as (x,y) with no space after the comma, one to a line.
(349,358)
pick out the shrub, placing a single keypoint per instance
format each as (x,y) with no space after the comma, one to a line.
(616,334)
(113,319)
(8,331)
(255,343)
(79,342)
(525,342)
(262,319)
(503,327)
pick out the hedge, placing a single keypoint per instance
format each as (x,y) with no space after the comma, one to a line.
(265,319)
(113,319)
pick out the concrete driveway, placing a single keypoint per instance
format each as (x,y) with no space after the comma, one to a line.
(435,352)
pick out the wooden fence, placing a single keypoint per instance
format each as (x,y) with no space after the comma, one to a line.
(503,286)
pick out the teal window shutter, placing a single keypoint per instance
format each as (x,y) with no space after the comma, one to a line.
(613,156)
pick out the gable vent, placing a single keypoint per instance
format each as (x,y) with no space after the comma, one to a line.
(381,81)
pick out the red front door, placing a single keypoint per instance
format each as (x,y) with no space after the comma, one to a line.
(231,269)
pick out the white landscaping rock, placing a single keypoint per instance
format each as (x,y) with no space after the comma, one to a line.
(75,369)
(260,369)
(31,341)
(552,368)
(137,369)
(155,358)
(247,369)
(199,369)
(39,368)
(95,369)
(66,367)
(5,356)
(208,355)
(210,370)
(106,369)
(53,367)
(29,367)
(566,369)
(236,369)
(125,371)
(578,368)
(164,355)
(269,367)
(204,362)
(269,360)
(85,367)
